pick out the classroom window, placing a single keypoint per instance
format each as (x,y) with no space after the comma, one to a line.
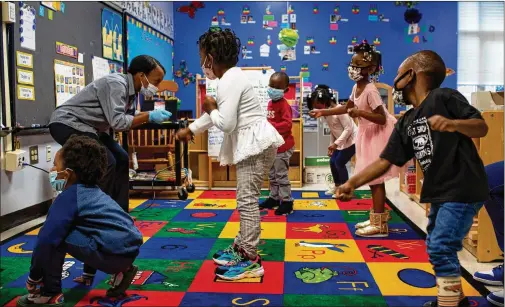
(480,47)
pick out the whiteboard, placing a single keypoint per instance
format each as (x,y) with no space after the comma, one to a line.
(259,80)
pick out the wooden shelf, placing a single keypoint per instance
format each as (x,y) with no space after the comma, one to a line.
(207,173)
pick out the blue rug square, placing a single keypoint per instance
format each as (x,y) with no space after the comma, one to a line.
(176,248)
(195,215)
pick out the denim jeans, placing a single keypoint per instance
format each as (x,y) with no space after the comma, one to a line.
(448,224)
(494,205)
(115,182)
(338,160)
(51,274)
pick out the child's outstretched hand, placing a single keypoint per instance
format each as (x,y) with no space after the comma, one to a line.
(184,135)
(345,192)
(209,104)
(353,112)
(316,113)
(442,124)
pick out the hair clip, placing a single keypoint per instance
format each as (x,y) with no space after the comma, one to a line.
(320,95)
(316,86)
(309,95)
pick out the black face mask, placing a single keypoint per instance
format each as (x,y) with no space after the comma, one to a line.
(399,94)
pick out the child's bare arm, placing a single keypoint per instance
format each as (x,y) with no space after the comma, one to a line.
(338,110)
(377,116)
(473,127)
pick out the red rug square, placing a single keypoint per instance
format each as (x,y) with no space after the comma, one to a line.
(266,216)
(318,231)
(271,283)
(357,204)
(218,195)
(393,250)
(149,228)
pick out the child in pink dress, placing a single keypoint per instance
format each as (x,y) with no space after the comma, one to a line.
(375,126)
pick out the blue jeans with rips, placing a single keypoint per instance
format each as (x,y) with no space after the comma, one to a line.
(448,224)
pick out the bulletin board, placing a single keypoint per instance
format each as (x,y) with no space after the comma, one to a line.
(76,24)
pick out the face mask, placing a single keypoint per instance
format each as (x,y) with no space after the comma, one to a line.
(398,94)
(57,184)
(275,94)
(150,90)
(354,73)
(207,71)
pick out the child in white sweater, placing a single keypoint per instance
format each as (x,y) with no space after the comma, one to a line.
(250,142)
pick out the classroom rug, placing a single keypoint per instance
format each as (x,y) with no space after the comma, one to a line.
(311,258)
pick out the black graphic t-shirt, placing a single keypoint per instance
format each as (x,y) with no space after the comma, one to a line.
(452,168)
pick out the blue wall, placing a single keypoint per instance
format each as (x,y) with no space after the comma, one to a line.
(394,46)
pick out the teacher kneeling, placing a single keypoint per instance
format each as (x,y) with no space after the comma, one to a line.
(106,103)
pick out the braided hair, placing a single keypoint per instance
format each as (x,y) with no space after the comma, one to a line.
(370,54)
(223,45)
(323,94)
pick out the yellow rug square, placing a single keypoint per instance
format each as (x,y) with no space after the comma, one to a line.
(310,250)
(195,194)
(416,279)
(134,203)
(310,195)
(315,204)
(268,230)
(213,204)
(144,239)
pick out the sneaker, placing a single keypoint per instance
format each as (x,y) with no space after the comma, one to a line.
(85,279)
(224,256)
(331,191)
(40,300)
(270,203)
(121,282)
(492,277)
(464,303)
(496,298)
(241,267)
(285,208)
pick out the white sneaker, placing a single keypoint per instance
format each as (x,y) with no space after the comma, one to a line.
(331,191)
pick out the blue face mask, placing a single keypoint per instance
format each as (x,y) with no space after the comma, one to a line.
(57,184)
(275,94)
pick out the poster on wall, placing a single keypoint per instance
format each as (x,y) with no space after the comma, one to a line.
(142,39)
(100,67)
(27,27)
(52,5)
(68,79)
(112,35)
(159,15)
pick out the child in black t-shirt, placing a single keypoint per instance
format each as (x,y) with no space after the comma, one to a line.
(438,132)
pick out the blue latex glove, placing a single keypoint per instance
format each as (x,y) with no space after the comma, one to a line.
(159,116)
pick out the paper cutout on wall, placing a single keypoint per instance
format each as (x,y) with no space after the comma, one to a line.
(220,12)
(354,40)
(288,37)
(224,22)
(304,72)
(413,29)
(334,26)
(269,40)
(291,9)
(42,11)
(334,18)
(306,50)
(184,74)
(191,8)
(305,67)
(383,18)
(350,49)
(246,54)
(292,18)
(373,16)
(283,68)
(333,40)
(250,41)
(269,22)
(336,10)
(377,41)
(250,19)
(313,50)
(325,67)
(355,9)
(315,10)
(246,10)
(264,51)
(214,22)
(412,16)
(287,53)
(449,72)
(267,10)
(431,29)
(417,34)
(309,40)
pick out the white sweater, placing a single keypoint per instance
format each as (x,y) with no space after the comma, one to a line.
(239,113)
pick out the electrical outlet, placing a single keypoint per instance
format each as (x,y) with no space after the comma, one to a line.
(48,153)
(34,155)
(14,160)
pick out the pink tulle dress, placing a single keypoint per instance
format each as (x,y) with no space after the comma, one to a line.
(372,138)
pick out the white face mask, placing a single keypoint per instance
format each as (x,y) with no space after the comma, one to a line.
(150,90)
(207,71)
(354,73)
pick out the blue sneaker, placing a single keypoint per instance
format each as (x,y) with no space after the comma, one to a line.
(493,277)
(240,268)
(224,256)
(496,298)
